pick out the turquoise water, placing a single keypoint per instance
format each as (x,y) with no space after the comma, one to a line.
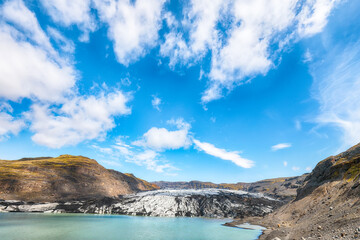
(80,226)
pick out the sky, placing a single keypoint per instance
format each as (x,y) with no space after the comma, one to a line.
(221,91)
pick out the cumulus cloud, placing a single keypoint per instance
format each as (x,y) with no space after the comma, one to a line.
(77,120)
(200,22)
(313,16)
(156,102)
(18,14)
(147,151)
(9,124)
(133,26)
(148,158)
(162,139)
(280,146)
(223,154)
(69,12)
(246,52)
(245,38)
(27,71)
(30,69)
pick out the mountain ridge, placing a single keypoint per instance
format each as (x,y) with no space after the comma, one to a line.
(65,177)
(327,205)
(283,188)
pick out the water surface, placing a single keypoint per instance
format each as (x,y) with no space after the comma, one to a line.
(42,226)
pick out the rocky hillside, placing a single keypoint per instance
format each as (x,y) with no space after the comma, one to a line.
(327,205)
(66,178)
(279,188)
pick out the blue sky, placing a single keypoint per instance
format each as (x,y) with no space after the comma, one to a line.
(222,91)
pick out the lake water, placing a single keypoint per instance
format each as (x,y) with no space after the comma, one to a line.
(41,226)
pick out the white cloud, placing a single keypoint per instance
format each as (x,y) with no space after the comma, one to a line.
(102,149)
(294,168)
(133,27)
(313,16)
(161,139)
(307,56)
(125,81)
(26,71)
(8,124)
(223,154)
(147,151)
(337,89)
(111,163)
(285,163)
(141,157)
(280,146)
(63,43)
(69,12)
(148,158)
(30,69)
(123,148)
(245,38)
(246,52)
(308,169)
(17,13)
(200,21)
(156,102)
(78,119)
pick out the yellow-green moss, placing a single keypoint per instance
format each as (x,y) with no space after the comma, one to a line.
(39,168)
(353,172)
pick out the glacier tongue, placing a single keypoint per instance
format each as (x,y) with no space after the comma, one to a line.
(202,192)
(213,203)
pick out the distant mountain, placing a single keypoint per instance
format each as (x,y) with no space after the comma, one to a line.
(64,178)
(327,205)
(280,188)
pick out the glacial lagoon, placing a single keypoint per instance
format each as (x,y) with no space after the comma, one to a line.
(43,226)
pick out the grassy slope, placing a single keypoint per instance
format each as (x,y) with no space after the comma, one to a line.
(63,178)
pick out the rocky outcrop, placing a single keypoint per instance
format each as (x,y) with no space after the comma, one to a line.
(66,178)
(280,188)
(344,167)
(327,205)
(165,203)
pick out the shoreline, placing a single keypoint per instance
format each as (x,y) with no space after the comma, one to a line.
(248,225)
(245,226)
(94,226)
